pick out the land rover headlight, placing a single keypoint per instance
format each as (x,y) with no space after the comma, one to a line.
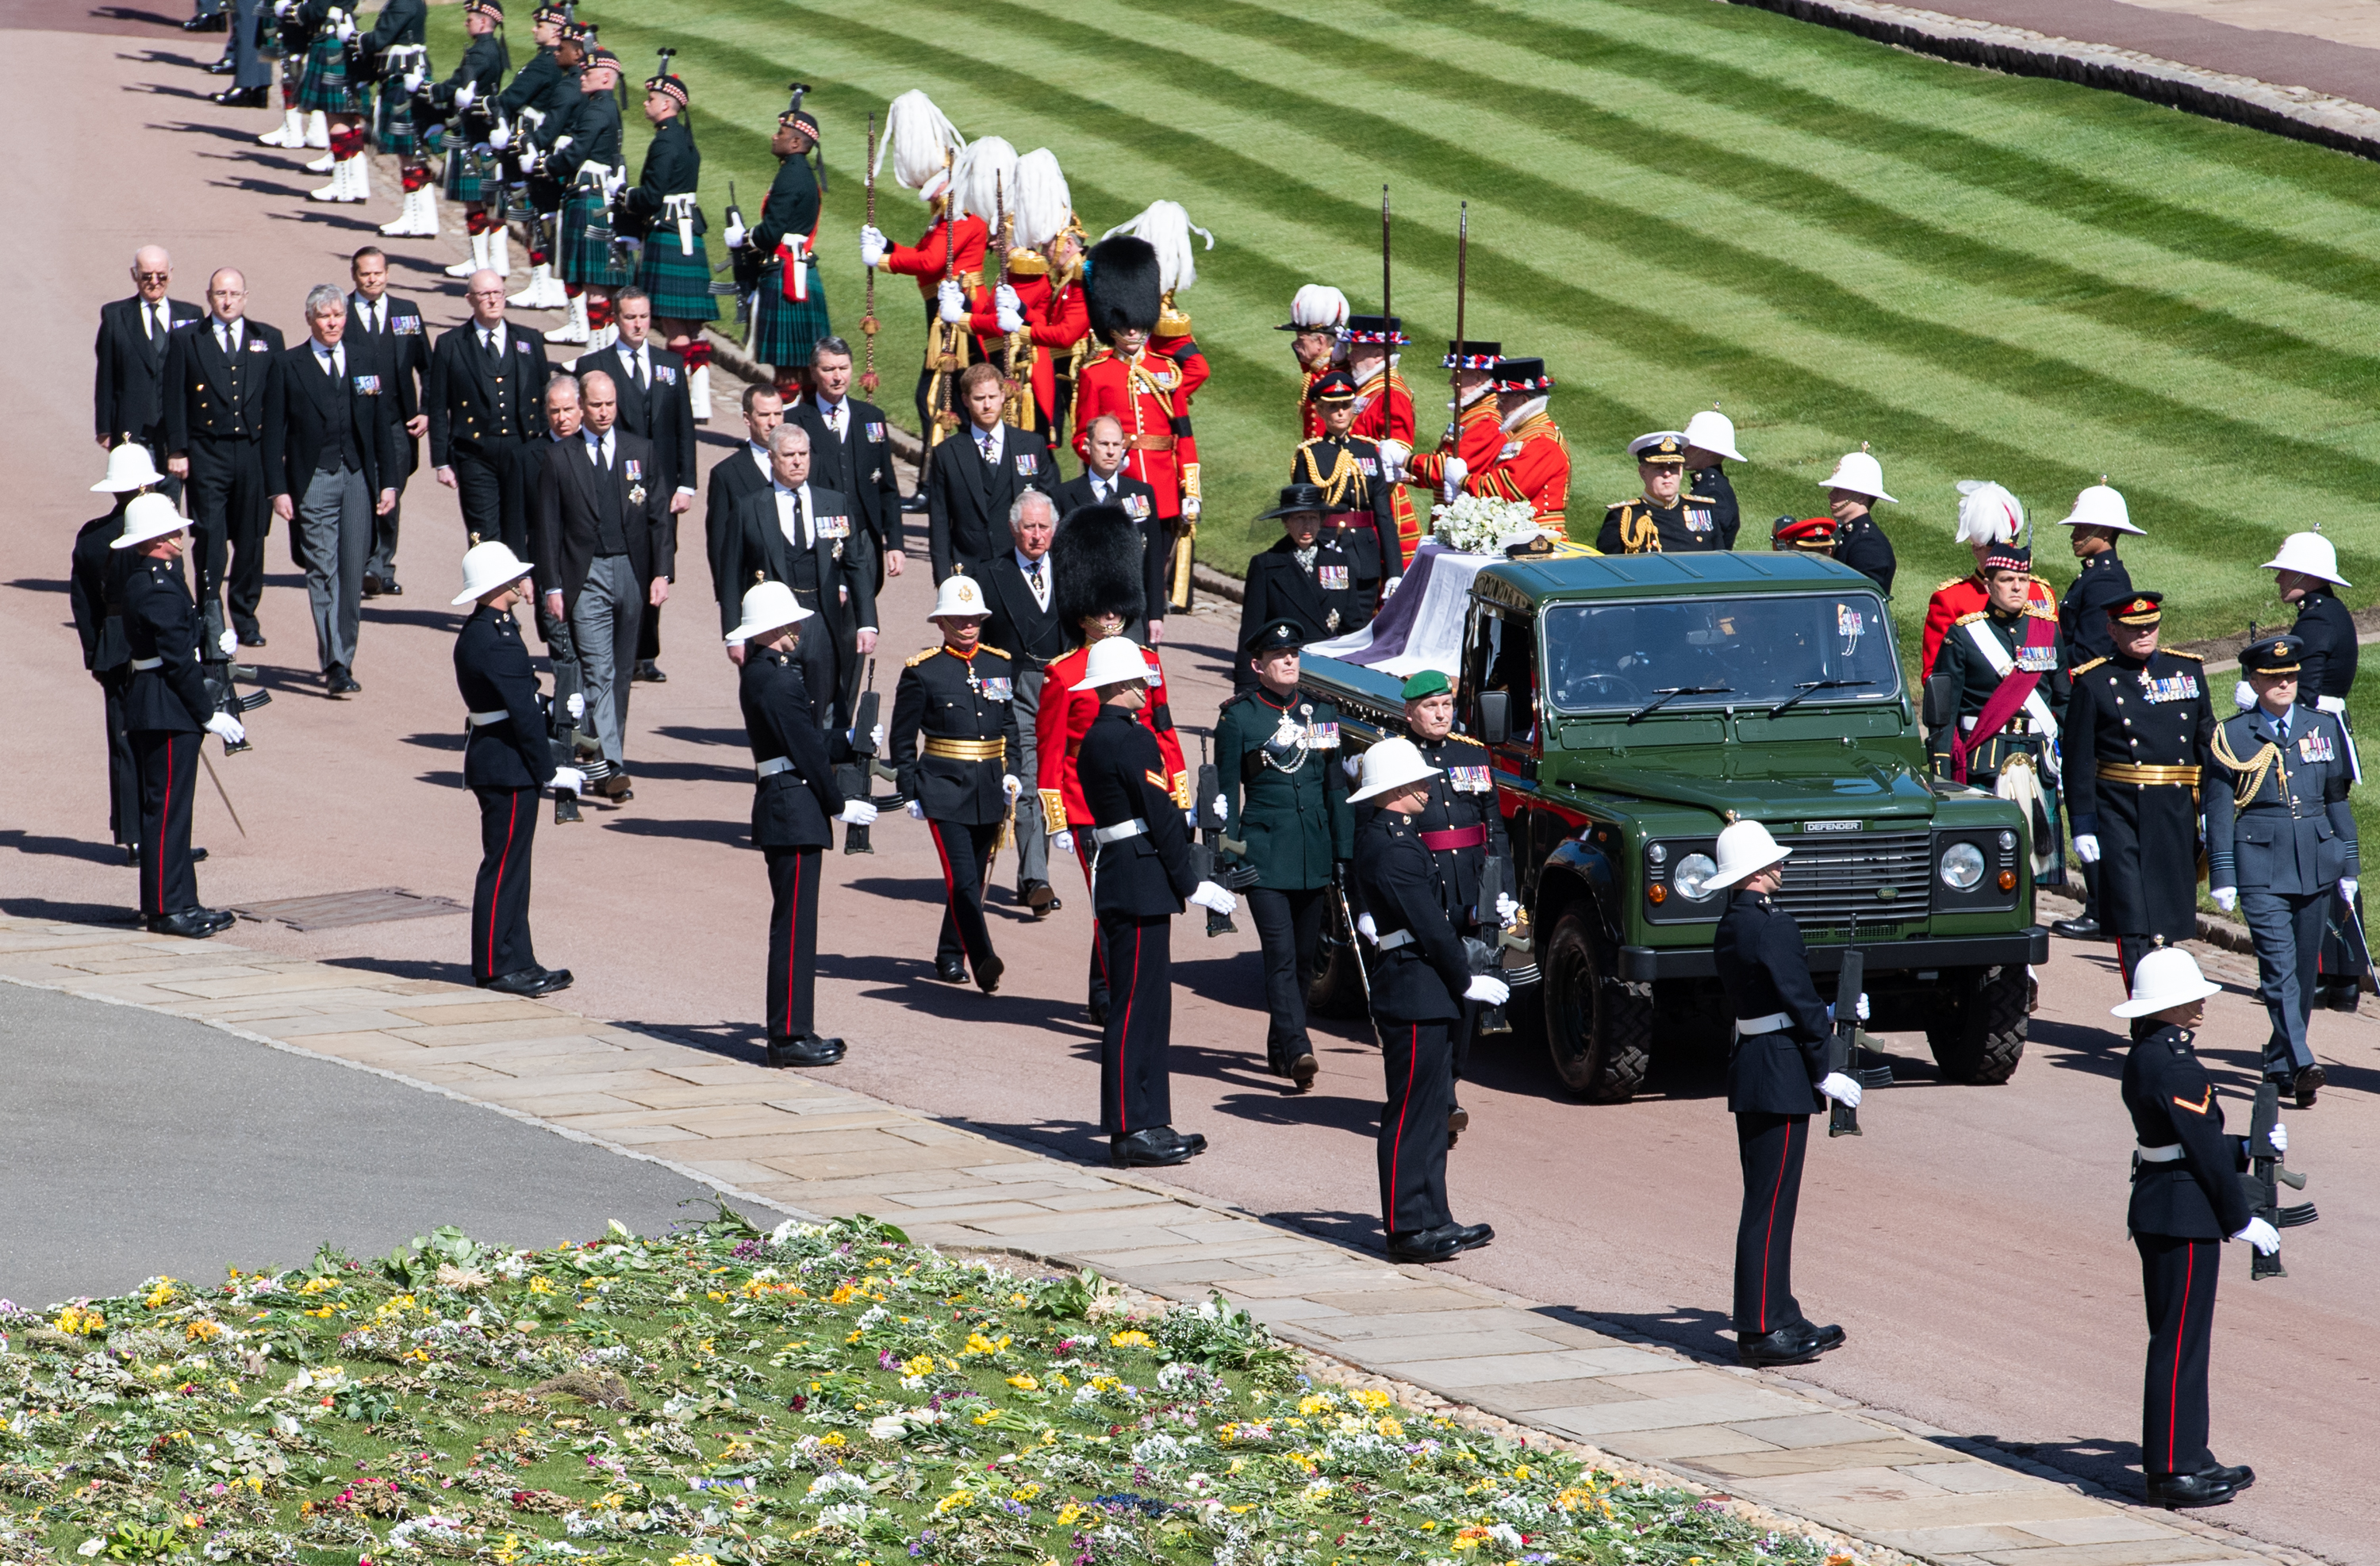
(1690,880)
(1962,867)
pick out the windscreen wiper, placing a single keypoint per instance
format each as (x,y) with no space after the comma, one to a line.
(1662,697)
(1812,688)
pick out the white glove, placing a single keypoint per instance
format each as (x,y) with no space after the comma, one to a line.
(1011,784)
(1392,460)
(1354,767)
(872,246)
(1389,587)
(467,94)
(1456,471)
(736,233)
(1366,928)
(1860,1011)
(951,303)
(569,779)
(347,28)
(2243,696)
(2280,1137)
(283,8)
(1191,506)
(875,737)
(1063,842)
(228,643)
(1490,991)
(2086,848)
(2261,1235)
(917,809)
(1209,895)
(1841,1089)
(2346,885)
(233,731)
(577,708)
(1508,912)
(2225,897)
(1223,813)
(858,813)
(501,137)
(1005,296)
(413,80)
(1010,320)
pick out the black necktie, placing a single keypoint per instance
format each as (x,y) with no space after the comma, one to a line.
(487,340)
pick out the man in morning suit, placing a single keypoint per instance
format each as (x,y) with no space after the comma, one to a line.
(217,372)
(487,381)
(851,453)
(974,475)
(329,433)
(802,534)
(652,386)
(1020,588)
(734,476)
(127,403)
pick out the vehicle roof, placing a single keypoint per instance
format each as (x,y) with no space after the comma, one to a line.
(1667,574)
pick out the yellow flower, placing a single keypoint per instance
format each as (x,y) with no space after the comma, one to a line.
(842,1295)
(1132,1339)
(1317,1402)
(833,1440)
(1024,1492)
(717,1296)
(1243,1505)
(192,1520)
(1024,1383)
(160,1295)
(987,1417)
(954,1502)
(202,1332)
(1522,1473)
(978,1343)
(1018,1300)
(922,1365)
(1068,1513)
(1371,1400)
(1393,1429)
(540,1285)
(79,1321)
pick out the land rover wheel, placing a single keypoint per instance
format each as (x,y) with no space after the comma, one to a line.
(1598,1031)
(1980,1038)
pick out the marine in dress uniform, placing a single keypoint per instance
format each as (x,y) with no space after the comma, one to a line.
(2307,572)
(789,313)
(2011,688)
(2187,1195)
(1306,577)
(1146,391)
(2139,729)
(1352,474)
(167,713)
(216,373)
(1384,415)
(1422,984)
(2099,520)
(960,698)
(1096,563)
(793,802)
(1776,1080)
(1141,875)
(1665,519)
(95,587)
(507,761)
(1476,435)
(1710,442)
(801,533)
(2280,841)
(1285,798)
(1852,490)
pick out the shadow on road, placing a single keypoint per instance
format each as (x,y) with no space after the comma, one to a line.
(437,740)
(397,967)
(1356,1231)
(702,736)
(735,834)
(691,771)
(68,913)
(1706,1334)
(2104,1460)
(40,584)
(60,847)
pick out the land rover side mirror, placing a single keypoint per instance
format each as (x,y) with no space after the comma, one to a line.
(1941,700)
(1495,717)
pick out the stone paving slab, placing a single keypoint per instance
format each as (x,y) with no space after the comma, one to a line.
(807,1147)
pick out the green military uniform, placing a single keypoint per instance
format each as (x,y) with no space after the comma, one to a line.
(1286,803)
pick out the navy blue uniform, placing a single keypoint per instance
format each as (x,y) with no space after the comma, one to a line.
(95,587)
(2101,581)
(1418,1001)
(506,761)
(1140,874)
(2134,750)
(166,710)
(1772,1077)
(965,709)
(793,804)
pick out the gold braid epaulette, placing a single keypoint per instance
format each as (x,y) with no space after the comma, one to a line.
(2250,774)
(1343,471)
(2086,668)
(916,657)
(2177,652)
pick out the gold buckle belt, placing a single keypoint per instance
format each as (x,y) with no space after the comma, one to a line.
(966,750)
(2148,777)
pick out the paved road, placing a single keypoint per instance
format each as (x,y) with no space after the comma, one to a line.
(1971,1242)
(133,1144)
(2330,45)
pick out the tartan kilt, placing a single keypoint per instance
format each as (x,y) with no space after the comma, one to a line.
(326,84)
(783,331)
(583,259)
(680,284)
(392,122)
(464,177)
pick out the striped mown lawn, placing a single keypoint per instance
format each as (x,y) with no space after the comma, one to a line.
(1675,202)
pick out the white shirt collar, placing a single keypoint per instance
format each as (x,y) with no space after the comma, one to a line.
(1027,566)
(993,438)
(220,325)
(492,334)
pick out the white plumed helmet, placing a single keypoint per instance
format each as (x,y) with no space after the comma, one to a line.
(985,174)
(917,135)
(1167,228)
(1317,308)
(1041,199)
(1988,514)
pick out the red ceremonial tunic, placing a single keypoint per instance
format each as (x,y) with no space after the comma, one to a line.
(1532,464)
(1146,395)
(1391,418)
(1065,717)
(926,261)
(1478,438)
(1055,321)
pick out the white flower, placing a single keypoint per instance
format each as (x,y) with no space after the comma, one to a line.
(838,1481)
(1477,525)
(887,1427)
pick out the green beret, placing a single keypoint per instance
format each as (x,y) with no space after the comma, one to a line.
(1429,682)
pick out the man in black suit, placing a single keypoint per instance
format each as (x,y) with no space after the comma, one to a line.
(1020,589)
(391,330)
(804,536)
(127,403)
(654,404)
(974,475)
(486,380)
(1308,576)
(605,546)
(216,374)
(1103,481)
(852,451)
(747,471)
(329,435)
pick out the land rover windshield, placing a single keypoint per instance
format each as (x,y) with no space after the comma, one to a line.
(1733,651)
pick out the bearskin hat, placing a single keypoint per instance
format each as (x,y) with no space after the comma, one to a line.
(1120,285)
(1097,557)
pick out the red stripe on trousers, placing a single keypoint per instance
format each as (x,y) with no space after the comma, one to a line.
(951,887)
(1768,1241)
(2173,1391)
(793,955)
(1124,1037)
(496,899)
(1397,1148)
(164,826)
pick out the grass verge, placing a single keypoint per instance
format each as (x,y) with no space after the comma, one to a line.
(818,1393)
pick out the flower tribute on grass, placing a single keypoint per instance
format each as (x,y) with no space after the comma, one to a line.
(723,1397)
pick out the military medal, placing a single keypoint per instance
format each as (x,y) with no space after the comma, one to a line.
(2317,746)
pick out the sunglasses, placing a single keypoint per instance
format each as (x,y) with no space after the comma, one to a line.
(152,277)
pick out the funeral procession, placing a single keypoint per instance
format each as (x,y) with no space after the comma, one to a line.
(1369,685)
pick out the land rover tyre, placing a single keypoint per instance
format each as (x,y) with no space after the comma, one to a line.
(1981,1037)
(1598,1031)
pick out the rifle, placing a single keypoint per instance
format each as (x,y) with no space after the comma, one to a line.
(569,737)
(1448,442)
(1202,853)
(852,779)
(2266,1175)
(218,681)
(1495,885)
(868,322)
(1842,1045)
